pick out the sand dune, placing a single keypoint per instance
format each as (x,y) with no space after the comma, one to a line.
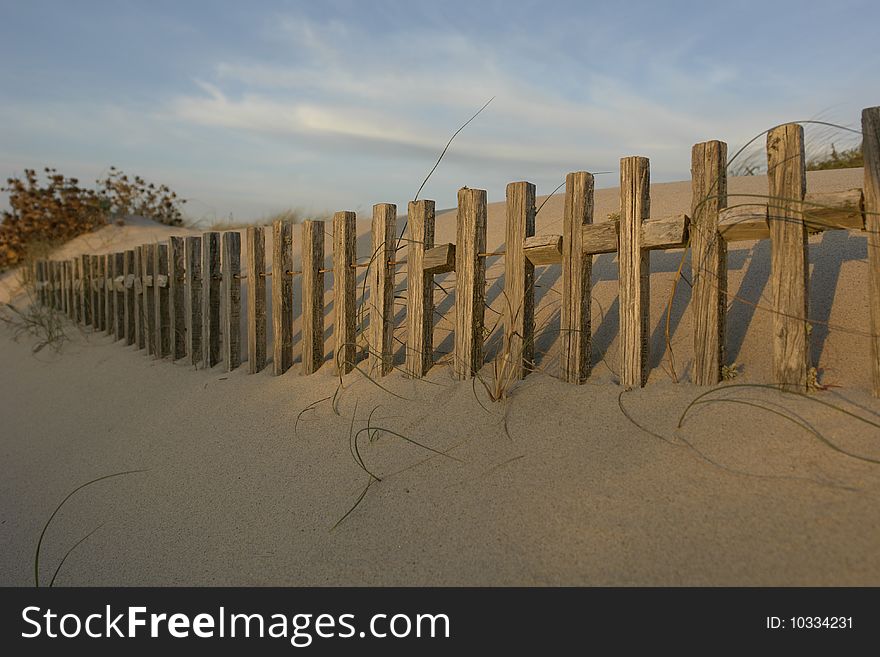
(556,485)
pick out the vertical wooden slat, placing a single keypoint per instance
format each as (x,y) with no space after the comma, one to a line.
(230,266)
(71,288)
(39,281)
(786,174)
(102,291)
(577,268)
(119,295)
(97,304)
(470,283)
(344,290)
(193,274)
(76,269)
(163,320)
(140,309)
(518,311)
(211,298)
(420,290)
(381,272)
(128,301)
(177,296)
(634,264)
(109,295)
(312,296)
(65,307)
(256,285)
(282,296)
(85,270)
(149,264)
(708,260)
(871,154)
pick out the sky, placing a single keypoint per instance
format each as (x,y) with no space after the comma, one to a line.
(247,109)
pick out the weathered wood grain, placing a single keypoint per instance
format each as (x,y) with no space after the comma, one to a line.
(149,269)
(140,309)
(76,275)
(105,294)
(439,260)
(177,295)
(192,255)
(518,310)
(97,302)
(256,284)
(312,296)
(420,289)
(577,267)
(381,273)
(211,299)
(128,297)
(470,283)
(744,221)
(230,265)
(544,249)
(282,297)
(119,294)
(871,153)
(344,291)
(786,175)
(634,264)
(109,294)
(85,271)
(708,260)
(163,306)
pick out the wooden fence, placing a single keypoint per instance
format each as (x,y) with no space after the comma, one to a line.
(177,299)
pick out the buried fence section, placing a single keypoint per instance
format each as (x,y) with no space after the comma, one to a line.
(193,274)
(577,270)
(230,267)
(177,296)
(160,290)
(129,295)
(256,298)
(344,291)
(871,153)
(312,296)
(210,299)
(420,289)
(789,269)
(470,283)
(381,273)
(282,296)
(708,260)
(518,313)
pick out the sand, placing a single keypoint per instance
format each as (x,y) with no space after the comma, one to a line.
(555,485)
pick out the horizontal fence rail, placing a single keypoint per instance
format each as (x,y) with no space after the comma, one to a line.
(181,299)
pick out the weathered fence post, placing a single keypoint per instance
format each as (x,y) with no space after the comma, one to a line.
(282,296)
(519,280)
(871,154)
(470,283)
(193,273)
(85,270)
(256,286)
(230,265)
(149,280)
(119,293)
(344,292)
(708,260)
(76,273)
(177,296)
(420,290)
(312,296)
(103,295)
(577,270)
(128,275)
(634,263)
(786,174)
(381,327)
(65,288)
(160,286)
(140,309)
(211,298)
(96,297)
(109,294)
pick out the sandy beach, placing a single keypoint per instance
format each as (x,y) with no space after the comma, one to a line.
(251,480)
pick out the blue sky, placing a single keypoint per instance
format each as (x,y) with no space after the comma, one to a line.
(250,108)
